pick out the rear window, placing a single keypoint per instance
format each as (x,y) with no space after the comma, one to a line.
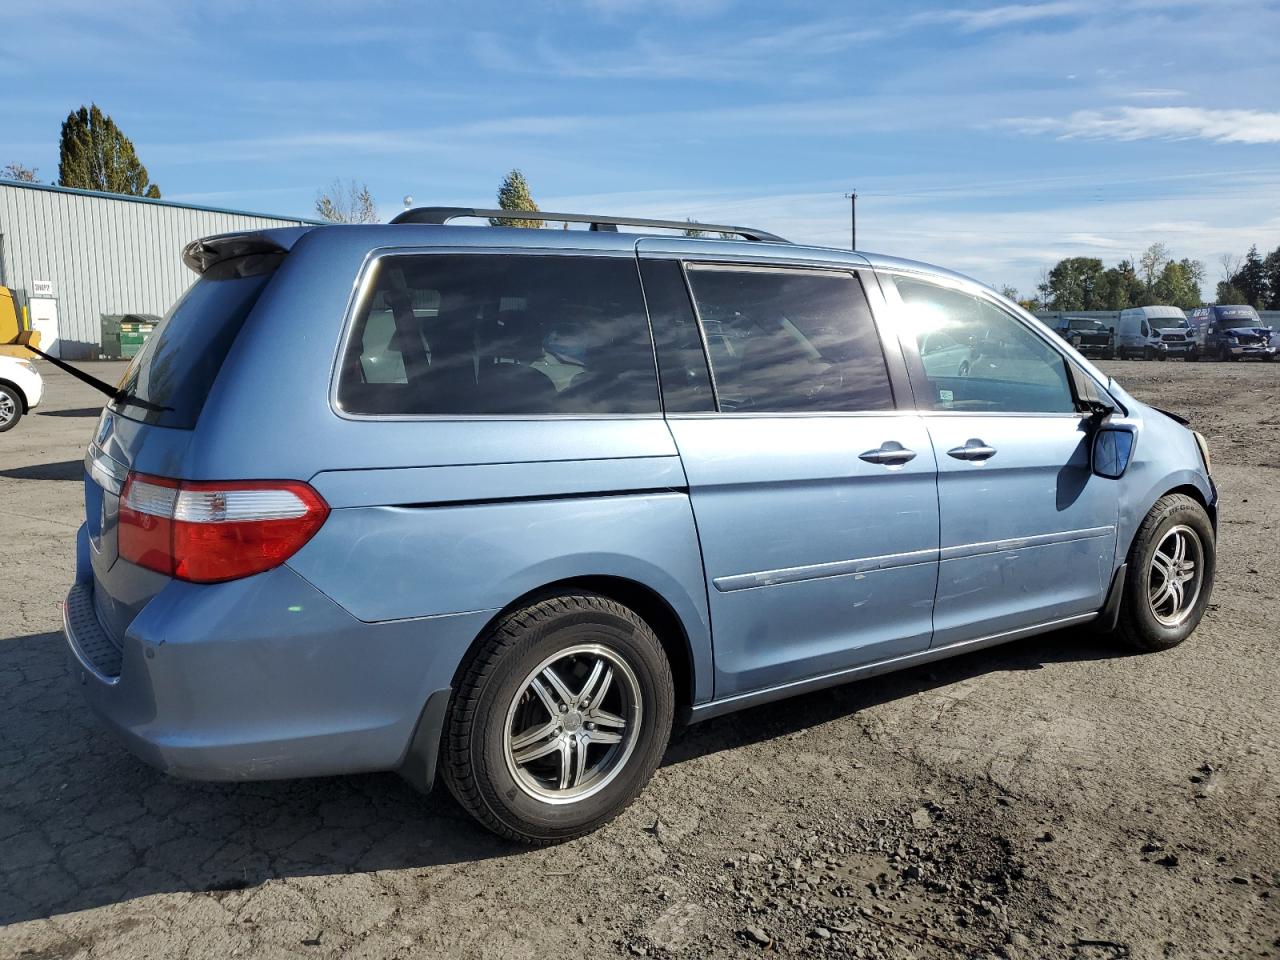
(176,367)
(500,335)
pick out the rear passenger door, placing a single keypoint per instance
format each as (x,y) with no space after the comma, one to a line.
(1028,532)
(815,498)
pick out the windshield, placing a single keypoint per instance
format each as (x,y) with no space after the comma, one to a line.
(1232,323)
(1086,324)
(175,369)
(1171,323)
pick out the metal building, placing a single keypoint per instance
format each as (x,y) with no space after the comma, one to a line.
(103,253)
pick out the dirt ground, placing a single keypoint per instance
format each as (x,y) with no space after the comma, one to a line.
(1051,798)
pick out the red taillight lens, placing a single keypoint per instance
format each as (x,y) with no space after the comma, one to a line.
(219,530)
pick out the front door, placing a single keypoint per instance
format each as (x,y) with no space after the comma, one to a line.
(1028,533)
(815,499)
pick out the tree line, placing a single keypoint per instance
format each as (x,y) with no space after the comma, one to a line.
(1085,283)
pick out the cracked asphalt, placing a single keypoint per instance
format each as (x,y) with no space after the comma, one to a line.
(1052,798)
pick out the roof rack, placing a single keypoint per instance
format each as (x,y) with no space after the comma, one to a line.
(441,215)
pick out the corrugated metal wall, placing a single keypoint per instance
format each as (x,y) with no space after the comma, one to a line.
(104,253)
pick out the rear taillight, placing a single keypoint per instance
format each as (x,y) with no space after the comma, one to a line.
(219,530)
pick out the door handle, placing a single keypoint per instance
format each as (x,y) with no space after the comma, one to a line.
(975,449)
(890,453)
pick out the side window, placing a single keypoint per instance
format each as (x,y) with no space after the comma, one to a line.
(682,363)
(790,340)
(995,364)
(500,335)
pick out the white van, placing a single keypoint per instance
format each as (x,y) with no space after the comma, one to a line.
(1153,333)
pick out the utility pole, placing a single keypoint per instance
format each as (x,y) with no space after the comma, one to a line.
(853,219)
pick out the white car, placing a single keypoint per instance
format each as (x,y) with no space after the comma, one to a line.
(20,389)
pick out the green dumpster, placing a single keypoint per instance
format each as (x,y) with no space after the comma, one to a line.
(123,334)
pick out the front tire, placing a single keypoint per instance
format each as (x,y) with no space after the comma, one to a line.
(561,717)
(10,408)
(1170,575)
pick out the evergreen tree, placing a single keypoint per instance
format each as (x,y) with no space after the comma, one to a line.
(1271,267)
(514,194)
(1251,279)
(95,155)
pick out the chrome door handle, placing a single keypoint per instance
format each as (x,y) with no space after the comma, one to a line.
(972,450)
(890,453)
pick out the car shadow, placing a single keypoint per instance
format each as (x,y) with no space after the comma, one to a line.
(784,717)
(83,824)
(62,470)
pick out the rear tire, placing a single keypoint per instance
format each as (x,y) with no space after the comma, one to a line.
(10,408)
(1170,575)
(561,717)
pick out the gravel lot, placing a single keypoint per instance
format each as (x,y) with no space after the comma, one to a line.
(1051,798)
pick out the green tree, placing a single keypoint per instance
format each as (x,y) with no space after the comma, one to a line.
(1271,267)
(1178,284)
(1227,293)
(348,202)
(514,194)
(95,155)
(1251,279)
(16,171)
(1071,283)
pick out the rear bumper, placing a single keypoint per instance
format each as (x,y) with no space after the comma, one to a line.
(266,678)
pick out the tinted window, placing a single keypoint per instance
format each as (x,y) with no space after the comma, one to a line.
(500,335)
(997,364)
(176,367)
(790,340)
(682,363)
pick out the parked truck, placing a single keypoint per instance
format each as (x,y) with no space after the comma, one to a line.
(1230,332)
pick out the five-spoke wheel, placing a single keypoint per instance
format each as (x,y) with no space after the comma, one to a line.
(559,718)
(1170,574)
(1173,578)
(573,724)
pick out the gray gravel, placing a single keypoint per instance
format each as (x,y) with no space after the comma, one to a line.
(1052,798)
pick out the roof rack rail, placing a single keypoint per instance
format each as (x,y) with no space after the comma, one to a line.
(441,215)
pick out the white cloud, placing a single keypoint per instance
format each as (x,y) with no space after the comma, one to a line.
(1008,15)
(1209,214)
(1158,123)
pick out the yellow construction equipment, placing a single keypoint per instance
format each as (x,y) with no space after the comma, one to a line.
(14,338)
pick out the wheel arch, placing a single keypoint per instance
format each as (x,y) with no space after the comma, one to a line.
(650,605)
(22,395)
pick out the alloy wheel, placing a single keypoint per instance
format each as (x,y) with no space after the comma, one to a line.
(1175,575)
(8,408)
(573,724)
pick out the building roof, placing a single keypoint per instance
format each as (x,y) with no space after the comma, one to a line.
(125,198)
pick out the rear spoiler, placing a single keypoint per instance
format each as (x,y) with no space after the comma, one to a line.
(202,254)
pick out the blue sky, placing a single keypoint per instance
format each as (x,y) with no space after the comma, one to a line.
(993,138)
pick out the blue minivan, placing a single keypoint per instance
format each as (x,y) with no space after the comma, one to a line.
(511,502)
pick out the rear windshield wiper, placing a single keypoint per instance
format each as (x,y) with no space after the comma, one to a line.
(115,393)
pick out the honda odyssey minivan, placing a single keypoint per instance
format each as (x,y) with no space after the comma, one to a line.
(505,504)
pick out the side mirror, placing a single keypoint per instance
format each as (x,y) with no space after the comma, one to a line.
(1113,330)
(1112,451)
